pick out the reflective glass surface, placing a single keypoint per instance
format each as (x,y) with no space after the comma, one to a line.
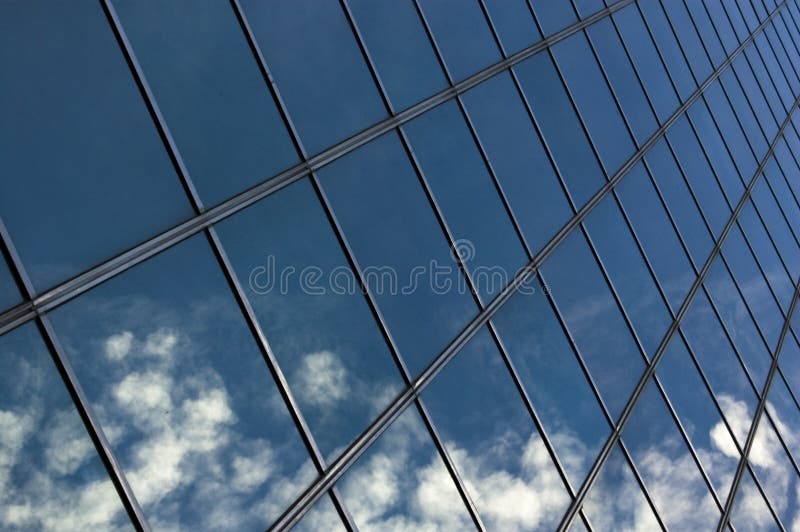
(514,24)
(9,293)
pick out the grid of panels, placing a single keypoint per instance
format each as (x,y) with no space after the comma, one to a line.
(597,325)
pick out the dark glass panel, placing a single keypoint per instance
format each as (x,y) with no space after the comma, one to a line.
(9,292)
(554,16)
(668,46)
(513,23)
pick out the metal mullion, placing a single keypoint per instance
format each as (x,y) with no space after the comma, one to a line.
(757,416)
(73,387)
(569,516)
(623,447)
(100,273)
(795,400)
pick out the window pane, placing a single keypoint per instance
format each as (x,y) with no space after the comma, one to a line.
(628,273)
(616,501)
(734,137)
(755,96)
(493,441)
(554,16)
(401,483)
(9,293)
(698,415)
(785,414)
(750,511)
(388,221)
(321,516)
(462,34)
(723,26)
(744,113)
(667,45)
(170,367)
(464,190)
(560,127)
(777,226)
(623,79)
(666,466)
(518,158)
(208,86)
(105,182)
(513,23)
(703,16)
(324,80)
(594,101)
(313,314)
(790,362)
(775,472)
(50,475)
(689,39)
(594,320)
(553,378)
(403,56)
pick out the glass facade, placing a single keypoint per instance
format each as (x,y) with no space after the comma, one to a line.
(400,265)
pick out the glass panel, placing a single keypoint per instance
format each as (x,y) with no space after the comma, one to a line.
(767,68)
(553,378)
(312,313)
(668,46)
(513,23)
(745,114)
(777,226)
(518,159)
(403,55)
(594,320)
(616,501)
(467,197)
(594,101)
(560,126)
(588,7)
(699,174)
(623,79)
(645,57)
(721,23)
(401,483)
(689,39)
(765,82)
(734,137)
(656,235)
(785,414)
(666,466)
(755,96)
(50,475)
(775,472)
(554,16)
(719,362)
(9,292)
(774,176)
(493,441)
(462,34)
(106,182)
(321,516)
(628,272)
(750,511)
(679,200)
(703,17)
(212,95)
(699,416)
(790,362)
(400,247)
(195,419)
(324,81)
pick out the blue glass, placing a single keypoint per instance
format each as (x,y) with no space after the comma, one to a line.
(699,175)
(784,413)
(723,26)
(588,7)
(560,127)
(680,203)
(767,256)
(787,53)
(734,137)
(462,35)
(754,288)
(9,292)
(767,67)
(750,511)
(657,236)
(321,516)
(788,165)
(717,359)
(627,270)
(778,227)
(735,16)
(775,471)
(318,68)
(689,39)
(493,441)
(790,361)
(87,175)
(755,96)
(594,321)
(765,82)
(744,113)
(313,313)
(594,100)
(553,16)
(646,60)
(623,79)
(400,483)
(666,466)
(395,237)
(173,372)
(518,159)
(616,502)
(699,416)
(749,15)
(209,88)
(552,376)
(669,48)
(513,23)
(50,475)
(713,143)
(468,198)
(404,58)
(743,331)
(702,15)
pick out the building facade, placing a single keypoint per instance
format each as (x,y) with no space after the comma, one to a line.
(400,265)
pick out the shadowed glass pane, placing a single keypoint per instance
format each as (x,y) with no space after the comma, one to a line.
(9,293)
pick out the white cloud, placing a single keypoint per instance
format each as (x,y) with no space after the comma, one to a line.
(67,446)
(161,343)
(118,346)
(321,379)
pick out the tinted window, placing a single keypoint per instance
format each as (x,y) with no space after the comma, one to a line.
(513,23)
(554,16)
(9,293)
